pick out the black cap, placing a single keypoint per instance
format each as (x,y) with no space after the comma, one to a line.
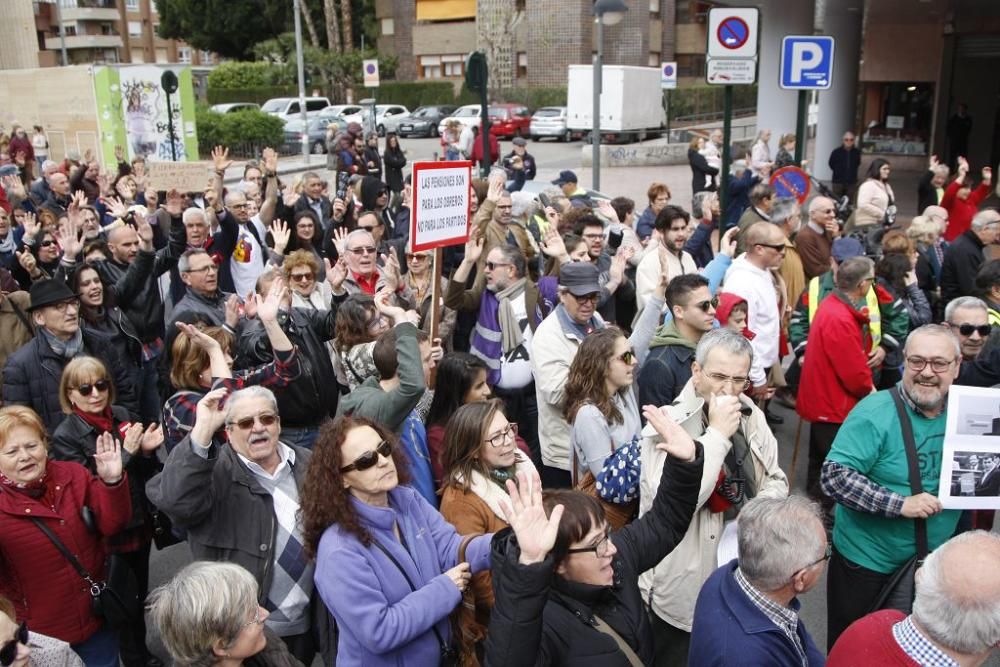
(47,292)
(565,176)
(580,278)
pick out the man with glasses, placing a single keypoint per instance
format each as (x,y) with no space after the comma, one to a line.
(968,319)
(670,234)
(494,223)
(361,254)
(835,374)
(203,298)
(815,239)
(867,474)
(965,255)
(238,502)
(749,607)
(844,162)
(31,375)
(617,290)
(556,342)
(741,463)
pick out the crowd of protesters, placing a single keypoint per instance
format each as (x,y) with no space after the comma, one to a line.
(535,464)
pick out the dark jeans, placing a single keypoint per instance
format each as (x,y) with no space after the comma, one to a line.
(133,639)
(302,646)
(300,437)
(555,478)
(670,644)
(821,437)
(851,590)
(522,408)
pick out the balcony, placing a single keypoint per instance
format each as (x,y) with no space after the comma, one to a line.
(85,13)
(84,42)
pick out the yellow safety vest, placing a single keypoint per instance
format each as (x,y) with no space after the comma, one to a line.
(874,313)
(994,317)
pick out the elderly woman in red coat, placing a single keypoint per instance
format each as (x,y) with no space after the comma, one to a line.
(48,593)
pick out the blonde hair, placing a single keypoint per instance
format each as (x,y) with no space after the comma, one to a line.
(923,230)
(19,416)
(299,258)
(189,360)
(79,371)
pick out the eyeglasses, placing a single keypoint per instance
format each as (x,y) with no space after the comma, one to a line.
(63,306)
(827,553)
(256,618)
(239,206)
(773,246)
(937,365)
(736,381)
(367,228)
(245,424)
(301,277)
(492,266)
(8,652)
(600,549)
(499,439)
(47,243)
(593,237)
(703,306)
(627,357)
(967,329)
(363,250)
(369,458)
(210,267)
(87,389)
(416,258)
(587,298)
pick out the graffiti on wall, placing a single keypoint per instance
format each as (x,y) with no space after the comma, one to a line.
(144,103)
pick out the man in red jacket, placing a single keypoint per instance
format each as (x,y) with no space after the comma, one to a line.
(835,371)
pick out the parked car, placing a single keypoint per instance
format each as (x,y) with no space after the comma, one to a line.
(509,120)
(316,131)
(349,112)
(551,122)
(388,117)
(288,107)
(423,122)
(467,115)
(231,107)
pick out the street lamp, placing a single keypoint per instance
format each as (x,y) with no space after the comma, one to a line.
(300,66)
(606,12)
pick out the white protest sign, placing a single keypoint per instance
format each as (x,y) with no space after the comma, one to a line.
(439,215)
(181,176)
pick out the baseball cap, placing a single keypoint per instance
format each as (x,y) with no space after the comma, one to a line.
(846,248)
(565,176)
(580,278)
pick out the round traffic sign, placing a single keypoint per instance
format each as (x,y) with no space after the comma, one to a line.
(370,68)
(733,32)
(668,70)
(791,182)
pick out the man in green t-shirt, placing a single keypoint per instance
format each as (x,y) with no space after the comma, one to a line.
(866,473)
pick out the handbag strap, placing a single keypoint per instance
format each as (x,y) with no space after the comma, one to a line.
(95,588)
(623,646)
(409,581)
(21,316)
(912,460)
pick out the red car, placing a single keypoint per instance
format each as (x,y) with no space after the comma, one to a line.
(509,120)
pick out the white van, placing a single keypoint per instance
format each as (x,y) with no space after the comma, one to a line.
(288,107)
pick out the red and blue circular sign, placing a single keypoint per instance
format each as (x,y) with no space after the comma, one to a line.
(668,70)
(733,32)
(791,182)
(370,68)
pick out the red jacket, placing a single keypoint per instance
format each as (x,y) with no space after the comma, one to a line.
(869,641)
(477,148)
(45,589)
(835,375)
(960,211)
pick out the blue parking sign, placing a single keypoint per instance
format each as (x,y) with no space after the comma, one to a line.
(806,62)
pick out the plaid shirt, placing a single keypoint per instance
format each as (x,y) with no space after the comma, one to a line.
(786,618)
(180,409)
(918,647)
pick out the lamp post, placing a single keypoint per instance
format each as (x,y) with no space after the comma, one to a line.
(606,12)
(300,65)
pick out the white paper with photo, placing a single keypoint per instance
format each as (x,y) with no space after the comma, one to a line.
(970,466)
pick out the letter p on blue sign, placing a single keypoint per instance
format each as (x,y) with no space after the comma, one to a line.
(806,62)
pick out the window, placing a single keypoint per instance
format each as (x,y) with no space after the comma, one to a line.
(207,57)
(137,55)
(430,67)
(292,108)
(454,66)
(162,56)
(132,5)
(134,28)
(522,64)
(388,27)
(691,65)
(654,59)
(316,105)
(184,54)
(108,29)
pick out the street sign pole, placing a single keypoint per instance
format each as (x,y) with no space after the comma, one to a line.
(727,131)
(800,127)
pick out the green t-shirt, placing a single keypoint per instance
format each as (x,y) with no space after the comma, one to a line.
(871,442)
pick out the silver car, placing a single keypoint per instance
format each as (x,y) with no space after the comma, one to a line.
(550,122)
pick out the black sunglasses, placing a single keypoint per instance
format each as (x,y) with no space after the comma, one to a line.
(967,329)
(87,389)
(369,458)
(773,246)
(703,306)
(8,652)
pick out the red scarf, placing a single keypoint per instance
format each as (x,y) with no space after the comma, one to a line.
(34,489)
(104,422)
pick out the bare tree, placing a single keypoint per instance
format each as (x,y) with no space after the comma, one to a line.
(310,26)
(347,24)
(332,26)
(496,23)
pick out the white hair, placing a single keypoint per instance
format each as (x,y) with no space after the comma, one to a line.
(523,204)
(725,339)
(985,218)
(253,391)
(964,302)
(190,213)
(934,330)
(778,537)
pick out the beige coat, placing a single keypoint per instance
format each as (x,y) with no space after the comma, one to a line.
(647,275)
(673,585)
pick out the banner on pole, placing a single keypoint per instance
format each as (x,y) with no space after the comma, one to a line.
(440,211)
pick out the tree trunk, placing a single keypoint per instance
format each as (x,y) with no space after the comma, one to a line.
(310,26)
(332,26)
(347,25)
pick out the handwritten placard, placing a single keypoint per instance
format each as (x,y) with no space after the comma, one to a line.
(440,212)
(182,176)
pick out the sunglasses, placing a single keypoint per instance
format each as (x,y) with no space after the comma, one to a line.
(492,266)
(245,424)
(363,250)
(366,228)
(8,652)
(591,298)
(968,329)
(48,243)
(88,389)
(369,458)
(777,247)
(703,306)
(301,277)
(416,258)
(628,357)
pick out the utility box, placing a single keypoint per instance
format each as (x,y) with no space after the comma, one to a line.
(631,101)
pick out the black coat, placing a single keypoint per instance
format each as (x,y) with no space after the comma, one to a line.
(539,618)
(664,373)
(961,263)
(844,164)
(31,377)
(395,160)
(926,192)
(700,169)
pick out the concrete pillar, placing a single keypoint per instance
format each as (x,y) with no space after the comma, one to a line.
(776,107)
(838,106)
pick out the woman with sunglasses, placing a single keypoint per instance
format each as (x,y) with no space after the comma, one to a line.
(304,234)
(565,586)
(47,591)
(419,278)
(480,455)
(309,290)
(359,323)
(387,563)
(22,647)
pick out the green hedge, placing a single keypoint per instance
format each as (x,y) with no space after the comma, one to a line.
(245,132)
(243,75)
(259,94)
(411,94)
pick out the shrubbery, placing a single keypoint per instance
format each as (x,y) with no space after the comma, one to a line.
(245,131)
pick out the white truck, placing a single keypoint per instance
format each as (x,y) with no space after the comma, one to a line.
(631,102)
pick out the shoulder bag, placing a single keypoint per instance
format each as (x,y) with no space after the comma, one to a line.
(617,515)
(601,626)
(899,591)
(116,599)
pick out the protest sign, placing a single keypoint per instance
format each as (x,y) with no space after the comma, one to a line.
(181,176)
(440,210)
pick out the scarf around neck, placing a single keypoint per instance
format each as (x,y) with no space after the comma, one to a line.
(490,490)
(7,245)
(510,328)
(35,489)
(103,422)
(66,349)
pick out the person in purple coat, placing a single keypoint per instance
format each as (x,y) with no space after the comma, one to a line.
(387,563)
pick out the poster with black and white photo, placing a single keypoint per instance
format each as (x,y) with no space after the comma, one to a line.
(970,470)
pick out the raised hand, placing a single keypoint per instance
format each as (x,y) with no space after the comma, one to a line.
(145,232)
(474,248)
(133,438)
(525,513)
(290,196)
(31,226)
(210,415)
(552,243)
(68,237)
(198,337)
(727,246)
(174,204)
(220,157)
(270,160)
(232,311)
(116,207)
(933,162)
(88,155)
(76,202)
(250,305)
(267,308)
(605,208)
(339,208)
(963,165)
(281,235)
(676,441)
(152,438)
(498,181)
(108,459)
(119,153)
(336,274)
(617,271)
(340,240)
(987,175)
(390,271)
(27,261)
